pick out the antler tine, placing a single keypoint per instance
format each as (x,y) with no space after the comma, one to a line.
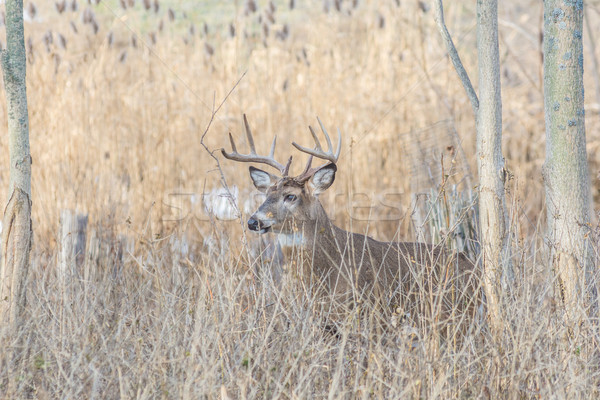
(253,157)
(339,147)
(232,143)
(249,135)
(329,146)
(286,170)
(308,164)
(315,138)
(318,150)
(272,152)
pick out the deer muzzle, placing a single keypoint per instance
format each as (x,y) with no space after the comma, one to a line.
(257,226)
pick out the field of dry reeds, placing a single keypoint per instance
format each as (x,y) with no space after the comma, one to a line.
(162,292)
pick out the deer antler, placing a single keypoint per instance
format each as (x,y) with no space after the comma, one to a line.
(318,151)
(253,157)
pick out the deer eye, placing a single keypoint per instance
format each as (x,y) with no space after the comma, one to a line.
(290,197)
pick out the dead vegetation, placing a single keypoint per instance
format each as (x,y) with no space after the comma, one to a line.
(172,301)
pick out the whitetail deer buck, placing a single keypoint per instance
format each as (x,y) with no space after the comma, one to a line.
(344,269)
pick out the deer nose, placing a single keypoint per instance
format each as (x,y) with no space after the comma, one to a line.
(253,224)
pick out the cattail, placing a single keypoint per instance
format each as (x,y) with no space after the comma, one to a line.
(171,14)
(31,10)
(95,26)
(231,30)
(423,6)
(192,29)
(305,57)
(60,6)
(88,16)
(205,29)
(292,4)
(30,49)
(354,3)
(48,39)
(271,18)
(283,33)
(147,4)
(131,3)
(134,41)
(251,6)
(74,27)
(156,6)
(109,39)
(57,60)
(338,5)
(272,7)
(380,21)
(152,36)
(161,25)
(74,6)
(62,41)
(123,56)
(209,49)
(265,29)
(123,4)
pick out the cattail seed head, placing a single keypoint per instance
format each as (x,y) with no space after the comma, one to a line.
(209,49)
(61,6)
(31,10)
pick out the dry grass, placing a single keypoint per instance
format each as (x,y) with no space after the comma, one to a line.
(172,303)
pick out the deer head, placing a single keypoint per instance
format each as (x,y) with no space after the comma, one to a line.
(290,201)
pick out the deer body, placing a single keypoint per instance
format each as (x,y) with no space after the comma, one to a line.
(343,269)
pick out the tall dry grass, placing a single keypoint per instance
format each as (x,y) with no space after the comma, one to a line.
(172,302)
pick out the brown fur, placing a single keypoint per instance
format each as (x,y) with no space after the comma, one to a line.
(344,269)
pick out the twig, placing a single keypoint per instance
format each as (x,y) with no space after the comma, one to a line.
(453,53)
(211,152)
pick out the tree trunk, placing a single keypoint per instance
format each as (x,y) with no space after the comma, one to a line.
(16,225)
(566,174)
(498,273)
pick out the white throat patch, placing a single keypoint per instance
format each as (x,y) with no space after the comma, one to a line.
(291,239)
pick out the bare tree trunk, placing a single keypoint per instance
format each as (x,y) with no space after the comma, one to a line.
(498,273)
(16,225)
(566,174)
(493,221)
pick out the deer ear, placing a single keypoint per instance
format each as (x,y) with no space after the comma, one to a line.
(262,180)
(323,178)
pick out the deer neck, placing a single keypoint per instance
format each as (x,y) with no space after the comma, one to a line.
(309,232)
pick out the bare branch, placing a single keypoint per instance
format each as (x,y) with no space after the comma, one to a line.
(453,53)
(211,152)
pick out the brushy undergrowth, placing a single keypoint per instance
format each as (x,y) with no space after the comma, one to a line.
(170,301)
(201,327)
